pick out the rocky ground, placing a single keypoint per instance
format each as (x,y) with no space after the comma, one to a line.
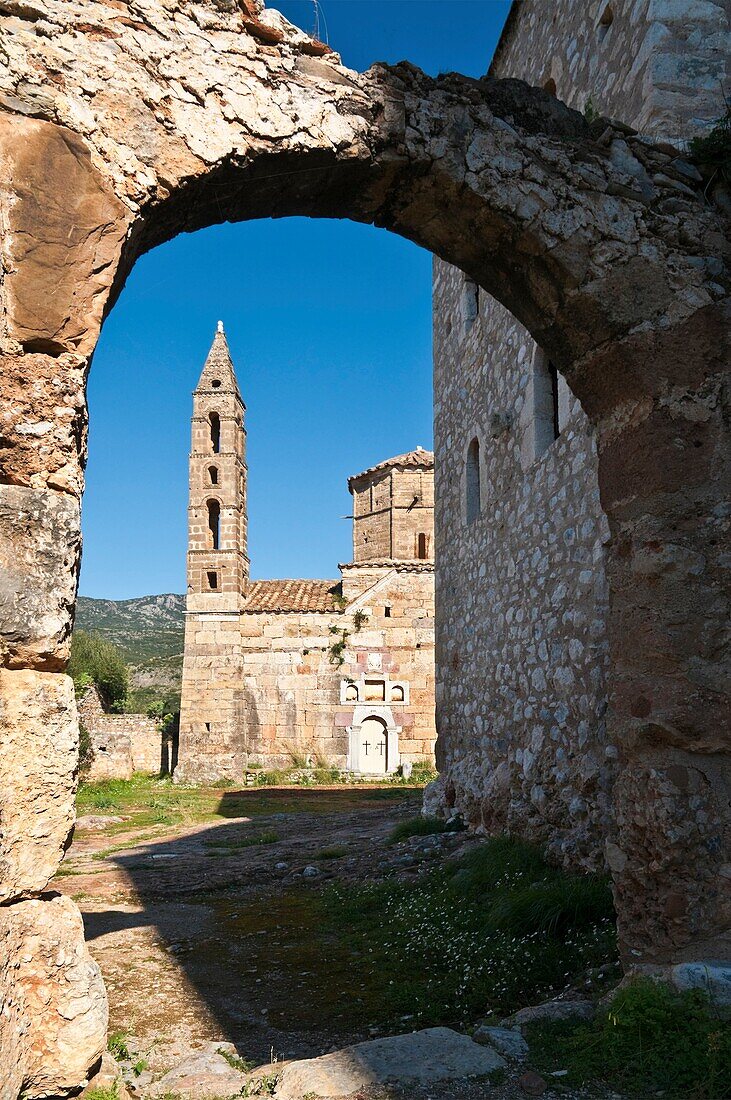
(201,935)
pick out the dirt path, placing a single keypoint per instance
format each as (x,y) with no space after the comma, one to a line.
(196,928)
(210,931)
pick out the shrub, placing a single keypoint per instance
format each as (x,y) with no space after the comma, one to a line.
(651,1040)
(94,659)
(117,1045)
(712,151)
(86,750)
(416,826)
(451,947)
(423,771)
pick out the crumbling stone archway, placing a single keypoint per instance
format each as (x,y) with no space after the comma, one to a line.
(124,124)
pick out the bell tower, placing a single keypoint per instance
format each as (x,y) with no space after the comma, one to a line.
(218,565)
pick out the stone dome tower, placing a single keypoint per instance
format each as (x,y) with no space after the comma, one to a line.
(218,564)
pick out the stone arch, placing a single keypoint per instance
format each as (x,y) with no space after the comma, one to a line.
(618,276)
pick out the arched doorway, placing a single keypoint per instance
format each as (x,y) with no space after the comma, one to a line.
(373,746)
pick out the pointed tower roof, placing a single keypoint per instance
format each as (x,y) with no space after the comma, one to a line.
(218,370)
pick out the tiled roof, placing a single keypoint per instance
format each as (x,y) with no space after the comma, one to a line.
(401,565)
(293,595)
(417,457)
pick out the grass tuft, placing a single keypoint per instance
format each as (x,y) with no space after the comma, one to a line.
(266,836)
(117,1046)
(241,1064)
(337,851)
(652,1040)
(416,826)
(103,1092)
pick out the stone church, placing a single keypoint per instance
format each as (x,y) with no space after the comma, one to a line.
(338,671)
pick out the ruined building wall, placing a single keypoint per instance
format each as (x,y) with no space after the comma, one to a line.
(122,743)
(522,654)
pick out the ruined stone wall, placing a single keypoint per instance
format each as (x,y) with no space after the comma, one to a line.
(521,700)
(264,687)
(122,743)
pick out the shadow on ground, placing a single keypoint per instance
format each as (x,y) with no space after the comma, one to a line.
(201,934)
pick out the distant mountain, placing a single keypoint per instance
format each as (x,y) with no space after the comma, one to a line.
(149,633)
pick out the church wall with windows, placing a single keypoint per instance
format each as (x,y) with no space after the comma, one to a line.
(522,649)
(521,642)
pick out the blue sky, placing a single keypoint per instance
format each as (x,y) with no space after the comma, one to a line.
(329,325)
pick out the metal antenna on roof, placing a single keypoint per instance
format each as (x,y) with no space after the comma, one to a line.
(219,326)
(316,29)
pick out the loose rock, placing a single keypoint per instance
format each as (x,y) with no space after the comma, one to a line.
(436,1054)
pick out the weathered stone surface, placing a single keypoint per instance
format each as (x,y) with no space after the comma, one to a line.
(712,977)
(43,420)
(668,805)
(507,1040)
(54,1005)
(583,617)
(38,763)
(204,1073)
(108,1076)
(62,219)
(436,1054)
(553,1010)
(40,548)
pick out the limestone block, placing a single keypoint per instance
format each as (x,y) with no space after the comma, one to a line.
(54,1005)
(436,1054)
(39,741)
(64,236)
(40,546)
(204,1073)
(713,977)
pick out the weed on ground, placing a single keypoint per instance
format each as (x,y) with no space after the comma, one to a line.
(652,1040)
(495,930)
(488,933)
(146,800)
(416,826)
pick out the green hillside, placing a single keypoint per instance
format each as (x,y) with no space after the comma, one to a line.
(149,633)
